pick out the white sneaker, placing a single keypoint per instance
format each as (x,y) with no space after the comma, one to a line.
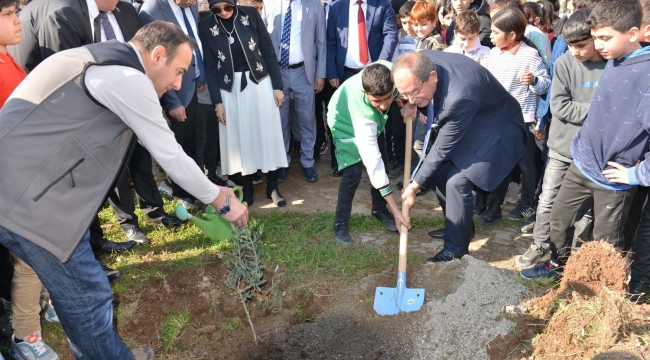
(31,348)
(165,189)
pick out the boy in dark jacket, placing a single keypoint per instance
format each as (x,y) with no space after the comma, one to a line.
(613,138)
(481,8)
(576,77)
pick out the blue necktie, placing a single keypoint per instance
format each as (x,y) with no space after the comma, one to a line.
(286,39)
(106,24)
(197,51)
(425,149)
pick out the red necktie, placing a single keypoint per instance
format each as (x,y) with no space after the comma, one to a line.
(363,40)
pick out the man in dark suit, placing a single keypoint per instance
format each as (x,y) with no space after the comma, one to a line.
(350,50)
(56,25)
(480,135)
(181,106)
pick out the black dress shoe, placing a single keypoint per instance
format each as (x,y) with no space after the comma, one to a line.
(137,235)
(386,219)
(166,220)
(445,255)
(337,173)
(115,247)
(278,199)
(440,233)
(639,291)
(342,234)
(111,274)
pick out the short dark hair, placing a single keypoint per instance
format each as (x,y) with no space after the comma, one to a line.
(165,34)
(504,4)
(584,4)
(420,65)
(376,80)
(467,22)
(405,10)
(9,3)
(621,15)
(575,28)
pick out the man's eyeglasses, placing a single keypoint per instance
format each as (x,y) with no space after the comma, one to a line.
(405,96)
(226,8)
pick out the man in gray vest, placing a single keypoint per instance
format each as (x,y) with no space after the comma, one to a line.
(72,120)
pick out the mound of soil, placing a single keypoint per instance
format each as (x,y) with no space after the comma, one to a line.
(462,312)
(586,316)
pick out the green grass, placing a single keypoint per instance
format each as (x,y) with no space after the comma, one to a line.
(234,323)
(172,327)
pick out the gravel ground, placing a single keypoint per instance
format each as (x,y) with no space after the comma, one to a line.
(461,314)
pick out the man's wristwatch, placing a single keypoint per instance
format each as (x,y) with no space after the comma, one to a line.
(225,209)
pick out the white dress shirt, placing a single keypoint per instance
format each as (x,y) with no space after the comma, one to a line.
(93,12)
(130,94)
(179,17)
(352,56)
(295,44)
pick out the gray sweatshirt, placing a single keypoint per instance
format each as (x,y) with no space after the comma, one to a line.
(573,87)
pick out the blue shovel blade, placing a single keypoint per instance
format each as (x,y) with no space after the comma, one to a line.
(386,302)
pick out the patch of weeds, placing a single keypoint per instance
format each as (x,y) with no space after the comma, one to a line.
(234,323)
(367,302)
(172,327)
(302,315)
(126,312)
(539,285)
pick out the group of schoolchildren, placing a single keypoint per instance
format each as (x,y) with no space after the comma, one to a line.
(583,83)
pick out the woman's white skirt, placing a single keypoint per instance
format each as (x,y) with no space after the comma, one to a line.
(252,137)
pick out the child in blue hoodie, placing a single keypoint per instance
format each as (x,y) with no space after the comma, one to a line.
(609,150)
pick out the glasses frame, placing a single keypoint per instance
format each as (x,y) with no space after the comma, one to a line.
(412,94)
(218,10)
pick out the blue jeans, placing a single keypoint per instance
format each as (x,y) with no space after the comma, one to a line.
(80,293)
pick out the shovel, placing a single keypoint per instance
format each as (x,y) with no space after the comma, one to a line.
(390,301)
(215,227)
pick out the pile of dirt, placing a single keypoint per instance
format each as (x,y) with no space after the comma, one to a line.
(587,315)
(462,312)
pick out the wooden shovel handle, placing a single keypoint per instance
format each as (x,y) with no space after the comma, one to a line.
(404,232)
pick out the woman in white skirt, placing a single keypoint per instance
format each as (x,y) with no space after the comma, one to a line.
(241,62)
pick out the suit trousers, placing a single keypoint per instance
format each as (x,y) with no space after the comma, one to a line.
(455,196)
(611,209)
(323,133)
(210,139)
(295,82)
(641,264)
(398,131)
(348,187)
(185,133)
(149,198)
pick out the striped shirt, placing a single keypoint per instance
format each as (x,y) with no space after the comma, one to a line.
(433,41)
(509,66)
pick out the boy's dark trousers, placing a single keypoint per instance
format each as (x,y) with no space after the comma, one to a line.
(610,212)
(348,187)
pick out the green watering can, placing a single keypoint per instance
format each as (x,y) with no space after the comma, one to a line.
(214,226)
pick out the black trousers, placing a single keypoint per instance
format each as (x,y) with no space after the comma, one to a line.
(611,209)
(208,143)
(185,133)
(322,130)
(349,184)
(641,264)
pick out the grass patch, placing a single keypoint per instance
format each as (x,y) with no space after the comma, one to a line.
(539,285)
(172,327)
(234,323)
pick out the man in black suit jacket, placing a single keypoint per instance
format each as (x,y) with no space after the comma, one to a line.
(480,135)
(56,25)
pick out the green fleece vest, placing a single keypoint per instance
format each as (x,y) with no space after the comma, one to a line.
(348,103)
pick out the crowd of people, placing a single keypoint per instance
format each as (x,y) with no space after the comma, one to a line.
(511,102)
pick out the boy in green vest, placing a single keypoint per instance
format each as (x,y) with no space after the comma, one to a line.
(357,115)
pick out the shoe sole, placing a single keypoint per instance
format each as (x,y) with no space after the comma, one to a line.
(311,180)
(343,243)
